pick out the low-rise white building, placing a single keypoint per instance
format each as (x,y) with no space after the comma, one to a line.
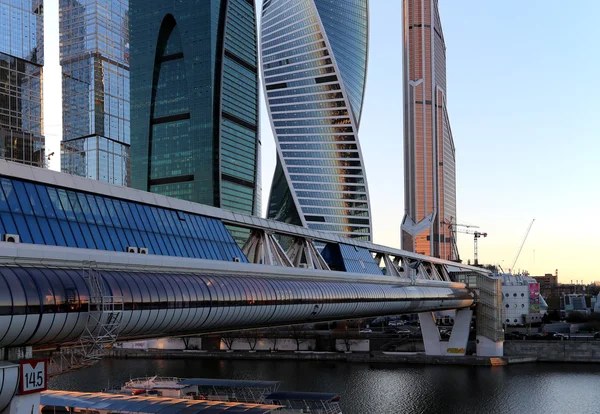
(522,303)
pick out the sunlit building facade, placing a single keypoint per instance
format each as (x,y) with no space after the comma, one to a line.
(194,85)
(94,55)
(314,64)
(21,69)
(429,154)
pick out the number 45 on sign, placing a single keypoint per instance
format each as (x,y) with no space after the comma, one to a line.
(32,376)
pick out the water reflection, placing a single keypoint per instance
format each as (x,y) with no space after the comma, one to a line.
(383,388)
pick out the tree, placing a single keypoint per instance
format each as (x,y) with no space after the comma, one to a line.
(347,339)
(229,338)
(347,332)
(251,338)
(186,342)
(298,335)
(273,335)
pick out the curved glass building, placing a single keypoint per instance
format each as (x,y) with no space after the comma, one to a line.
(314,63)
(194,88)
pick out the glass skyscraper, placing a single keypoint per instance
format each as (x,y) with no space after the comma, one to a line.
(314,64)
(21,62)
(429,155)
(94,54)
(194,85)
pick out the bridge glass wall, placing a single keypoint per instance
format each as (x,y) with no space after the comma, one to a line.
(50,305)
(47,215)
(346,258)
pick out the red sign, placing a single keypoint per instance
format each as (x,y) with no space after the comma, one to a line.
(33,376)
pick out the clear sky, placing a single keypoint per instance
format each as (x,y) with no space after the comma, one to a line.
(523,100)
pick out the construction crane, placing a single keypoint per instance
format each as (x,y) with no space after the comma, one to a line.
(466,230)
(476,235)
(512,269)
(454,255)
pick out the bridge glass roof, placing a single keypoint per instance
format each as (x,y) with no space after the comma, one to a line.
(48,215)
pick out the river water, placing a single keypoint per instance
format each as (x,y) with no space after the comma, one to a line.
(383,388)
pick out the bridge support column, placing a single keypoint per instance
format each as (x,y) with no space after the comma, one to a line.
(431,334)
(489,347)
(24,404)
(10,402)
(457,345)
(459,337)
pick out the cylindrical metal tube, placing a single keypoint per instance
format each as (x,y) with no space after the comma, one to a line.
(44,306)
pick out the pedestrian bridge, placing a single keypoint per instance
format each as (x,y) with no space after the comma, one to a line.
(46,297)
(83,264)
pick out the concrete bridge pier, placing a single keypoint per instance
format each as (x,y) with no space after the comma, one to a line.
(457,345)
(12,401)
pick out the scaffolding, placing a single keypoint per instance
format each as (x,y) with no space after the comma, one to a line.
(101,329)
(489,307)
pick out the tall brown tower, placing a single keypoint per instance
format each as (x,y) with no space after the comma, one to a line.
(429,162)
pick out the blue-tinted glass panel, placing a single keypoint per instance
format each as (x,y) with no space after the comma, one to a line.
(56,204)
(8,223)
(63,199)
(22,229)
(47,205)
(85,208)
(36,234)
(22,197)
(77,234)
(34,200)
(48,233)
(11,197)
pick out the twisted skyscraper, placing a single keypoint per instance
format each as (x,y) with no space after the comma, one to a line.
(429,161)
(314,64)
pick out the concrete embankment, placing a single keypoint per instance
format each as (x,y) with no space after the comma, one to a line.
(555,351)
(384,357)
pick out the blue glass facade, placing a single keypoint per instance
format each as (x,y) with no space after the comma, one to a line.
(94,55)
(48,215)
(314,62)
(194,81)
(21,62)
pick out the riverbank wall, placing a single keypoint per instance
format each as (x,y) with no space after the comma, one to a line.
(514,351)
(372,357)
(555,351)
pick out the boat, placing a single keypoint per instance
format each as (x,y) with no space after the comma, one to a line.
(232,391)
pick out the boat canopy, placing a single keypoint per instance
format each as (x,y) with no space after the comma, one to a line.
(209,382)
(137,404)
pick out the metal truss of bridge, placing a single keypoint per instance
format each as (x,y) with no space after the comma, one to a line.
(84,263)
